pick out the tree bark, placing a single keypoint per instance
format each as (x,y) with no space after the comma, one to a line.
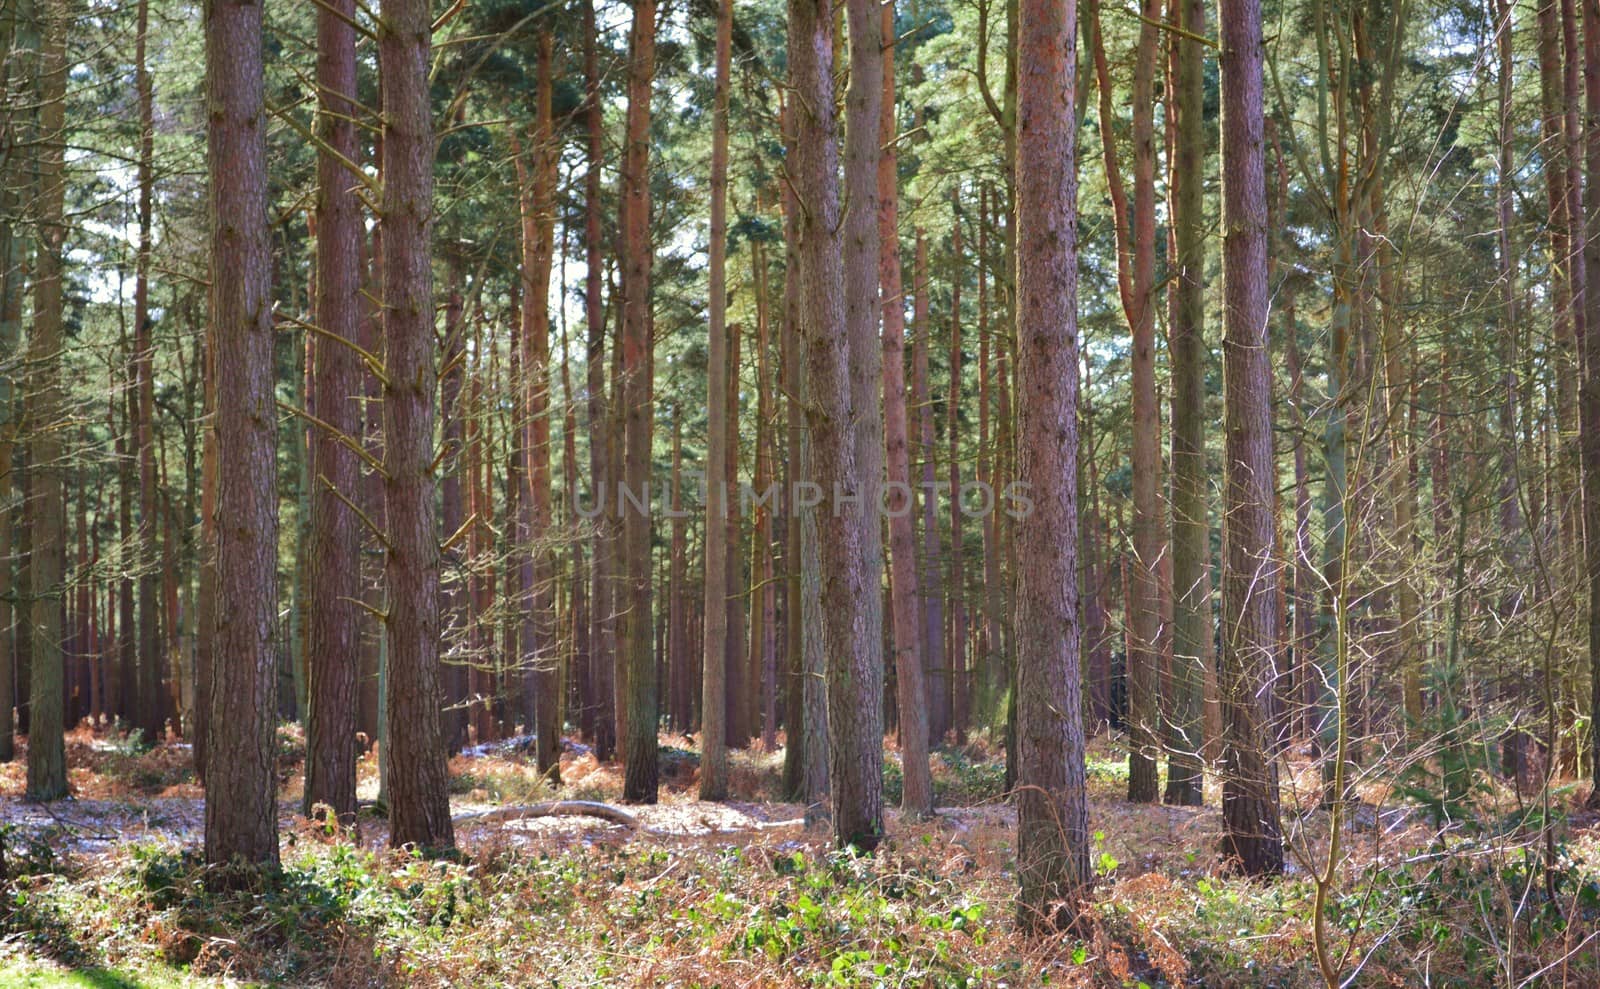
(47,764)
(16,42)
(1191,550)
(151,657)
(856,686)
(452,504)
(960,699)
(416,777)
(1052,821)
(1136,286)
(599,721)
(763,646)
(641,762)
(714,681)
(1589,393)
(916,797)
(853,680)
(241,776)
(1250,574)
(539,665)
(332,666)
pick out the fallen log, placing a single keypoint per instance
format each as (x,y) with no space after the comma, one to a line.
(554,808)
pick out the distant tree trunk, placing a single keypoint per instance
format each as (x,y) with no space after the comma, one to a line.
(452,504)
(480,505)
(132,701)
(960,699)
(1250,574)
(714,679)
(992,678)
(1191,532)
(805,707)
(641,761)
(937,681)
(151,657)
(47,763)
(1052,822)
(762,618)
(600,721)
(677,663)
(1507,331)
(373,557)
(616,675)
(736,706)
(206,564)
(24,552)
(1553,135)
(539,666)
(241,771)
(15,41)
(916,797)
(1136,285)
(1097,578)
(1589,393)
(416,778)
(333,663)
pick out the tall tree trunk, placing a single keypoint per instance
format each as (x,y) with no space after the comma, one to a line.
(1191,550)
(371,635)
(1589,395)
(714,679)
(151,656)
(994,678)
(452,504)
(480,505)
(16,44)
(1136,285)
(1250,574)
(960,699)
(937,682)
(855,695)
(736,700)
(206,564)
(47,764)
(333,662)
(419,804)
(1097,578)
(600,721)
(916,797)
(853,680)
(762,617)
(539,664)
(1052,809)
(1508,328)
(1554,137)
(805,708)
(641,762)
(241,773)
(678,663)
(132,700)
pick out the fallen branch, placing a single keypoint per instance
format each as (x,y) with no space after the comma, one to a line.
(591,808)
(554,808)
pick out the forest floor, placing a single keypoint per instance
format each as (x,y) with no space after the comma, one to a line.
(106,889)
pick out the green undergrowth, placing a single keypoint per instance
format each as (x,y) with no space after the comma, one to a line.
(781,912)
(1490,900)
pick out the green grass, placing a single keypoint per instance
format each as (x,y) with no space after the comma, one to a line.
(36,973)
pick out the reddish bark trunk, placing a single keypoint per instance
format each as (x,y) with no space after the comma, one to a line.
(1052,822)
(241,777)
